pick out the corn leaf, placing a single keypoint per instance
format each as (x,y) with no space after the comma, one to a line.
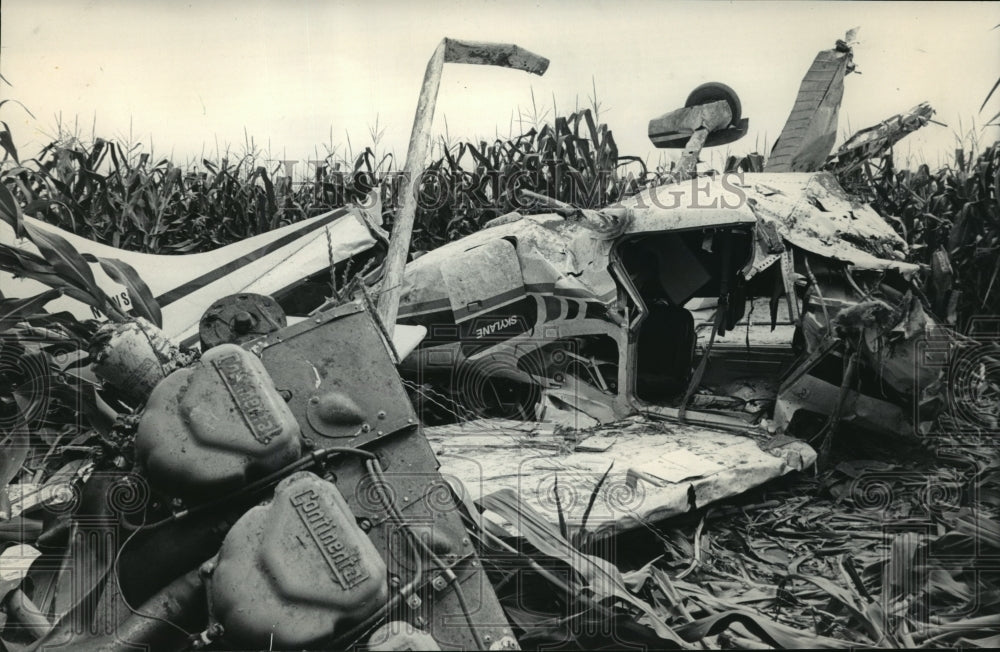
(10,211)
(12,309)
(69,265)
(775,634)
(143,301)
(604,580)
(21,263)
(7,142)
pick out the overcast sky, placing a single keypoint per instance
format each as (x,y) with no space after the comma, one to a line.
(188,75)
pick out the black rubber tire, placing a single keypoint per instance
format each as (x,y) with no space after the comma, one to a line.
(713,92)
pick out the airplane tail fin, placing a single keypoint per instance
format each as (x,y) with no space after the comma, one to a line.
(811,129)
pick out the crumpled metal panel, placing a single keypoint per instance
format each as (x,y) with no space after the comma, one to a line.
(826,222)
(696,203)
(818,396)
(808,210)
(482,278)
(552,254)
(660,470)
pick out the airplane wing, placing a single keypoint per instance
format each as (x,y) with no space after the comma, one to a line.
(186,285)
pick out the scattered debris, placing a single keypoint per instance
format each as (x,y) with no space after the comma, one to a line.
(875,142)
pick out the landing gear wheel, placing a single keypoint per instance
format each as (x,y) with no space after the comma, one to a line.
(713,92)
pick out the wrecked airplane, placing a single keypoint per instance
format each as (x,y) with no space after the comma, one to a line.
(738,307)
(553,318)
(763,304)
(587,316)
(593,311)
(682,334)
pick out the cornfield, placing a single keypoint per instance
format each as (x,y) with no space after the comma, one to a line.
(950,219)
(116,194)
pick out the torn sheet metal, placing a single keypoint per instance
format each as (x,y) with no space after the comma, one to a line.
(814,213)
(816,391)
(564,257)
(877,141)
(903,354)
(492,301)
(660,470)
(810,211)
(575,404)
(894,339)
(547,251)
